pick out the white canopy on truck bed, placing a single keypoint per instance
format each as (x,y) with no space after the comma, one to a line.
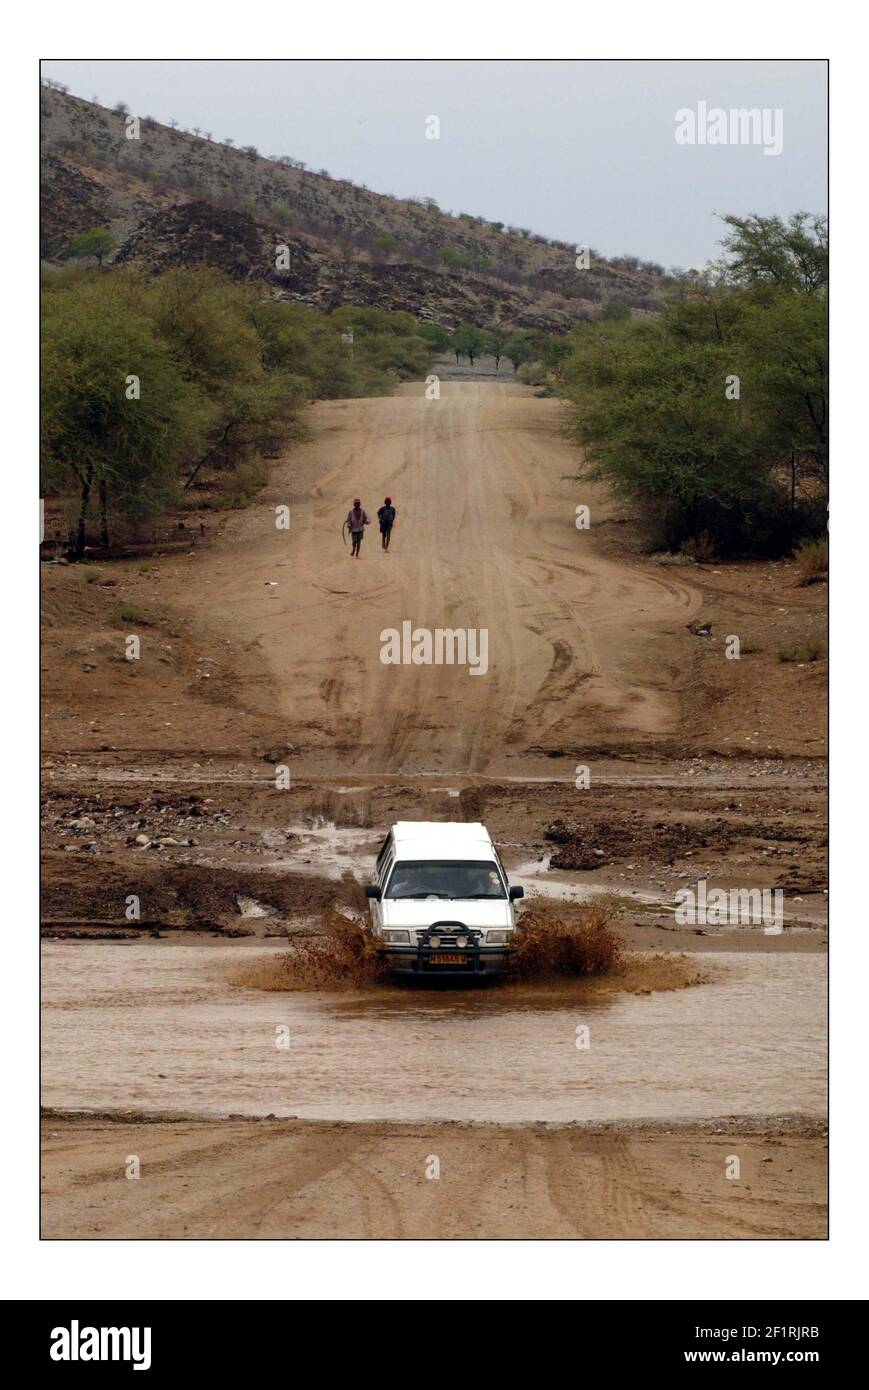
(421,839)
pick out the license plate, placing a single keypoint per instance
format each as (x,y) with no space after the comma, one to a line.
(447,958)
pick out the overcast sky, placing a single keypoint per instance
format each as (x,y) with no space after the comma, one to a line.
(583,151)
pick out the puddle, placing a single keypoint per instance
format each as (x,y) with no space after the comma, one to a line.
(352,791)
(539,880)
(326,849)
(251,907)
(157,1027)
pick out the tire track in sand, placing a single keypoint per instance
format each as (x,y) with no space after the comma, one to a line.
(581,646)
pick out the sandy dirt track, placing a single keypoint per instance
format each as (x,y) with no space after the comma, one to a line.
(485,538)
(290,1180)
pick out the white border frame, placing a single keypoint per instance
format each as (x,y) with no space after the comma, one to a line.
(533,1271)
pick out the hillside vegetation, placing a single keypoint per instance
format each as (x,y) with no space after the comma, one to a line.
(179,197)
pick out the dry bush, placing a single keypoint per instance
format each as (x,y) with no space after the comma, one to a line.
(700,548)
(803,652)
(567,939)
(812,559)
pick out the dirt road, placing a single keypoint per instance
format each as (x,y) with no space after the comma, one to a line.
(291,1180)
(486,538)
(264,637)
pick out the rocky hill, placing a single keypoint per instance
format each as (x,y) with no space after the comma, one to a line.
(175,197)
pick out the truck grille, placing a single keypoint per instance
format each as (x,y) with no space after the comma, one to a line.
(447,934)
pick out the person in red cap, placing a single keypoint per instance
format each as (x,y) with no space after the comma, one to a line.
(386,517)
(357,520)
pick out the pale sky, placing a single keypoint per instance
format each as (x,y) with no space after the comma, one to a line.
(582,151)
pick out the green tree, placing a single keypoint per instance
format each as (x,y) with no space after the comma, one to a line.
(438,338)
(468,341)
(95,427)
(766,250)
(656,425)
(384,241)
(212,325)
(367,318)
(495,343)
(709,417)
(519,349)
(614,311)
(298,340)
(553,349)
(782,357)
(98,242)
(388,345)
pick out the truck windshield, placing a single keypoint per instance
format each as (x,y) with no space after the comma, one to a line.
(445,878)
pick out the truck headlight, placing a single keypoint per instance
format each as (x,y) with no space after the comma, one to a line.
(396,938)
(497,938)
(461,942)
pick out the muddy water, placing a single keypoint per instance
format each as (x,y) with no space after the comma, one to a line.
(159,1027)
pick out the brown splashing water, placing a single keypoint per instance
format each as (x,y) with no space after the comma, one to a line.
(551,941)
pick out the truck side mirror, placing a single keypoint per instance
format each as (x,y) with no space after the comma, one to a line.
(373,890)
(517,892)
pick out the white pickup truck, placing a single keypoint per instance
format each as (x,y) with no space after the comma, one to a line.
(440,902)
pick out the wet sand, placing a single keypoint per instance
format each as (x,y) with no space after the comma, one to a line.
(286,1180)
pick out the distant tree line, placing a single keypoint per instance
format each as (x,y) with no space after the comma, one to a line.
(470,341)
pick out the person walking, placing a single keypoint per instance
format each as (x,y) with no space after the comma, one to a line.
(386,517)
(357,520)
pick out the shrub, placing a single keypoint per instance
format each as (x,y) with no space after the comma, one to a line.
(812,559)
(701,548)
(384,241)
(133,614)
(239,488)
(811,650)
